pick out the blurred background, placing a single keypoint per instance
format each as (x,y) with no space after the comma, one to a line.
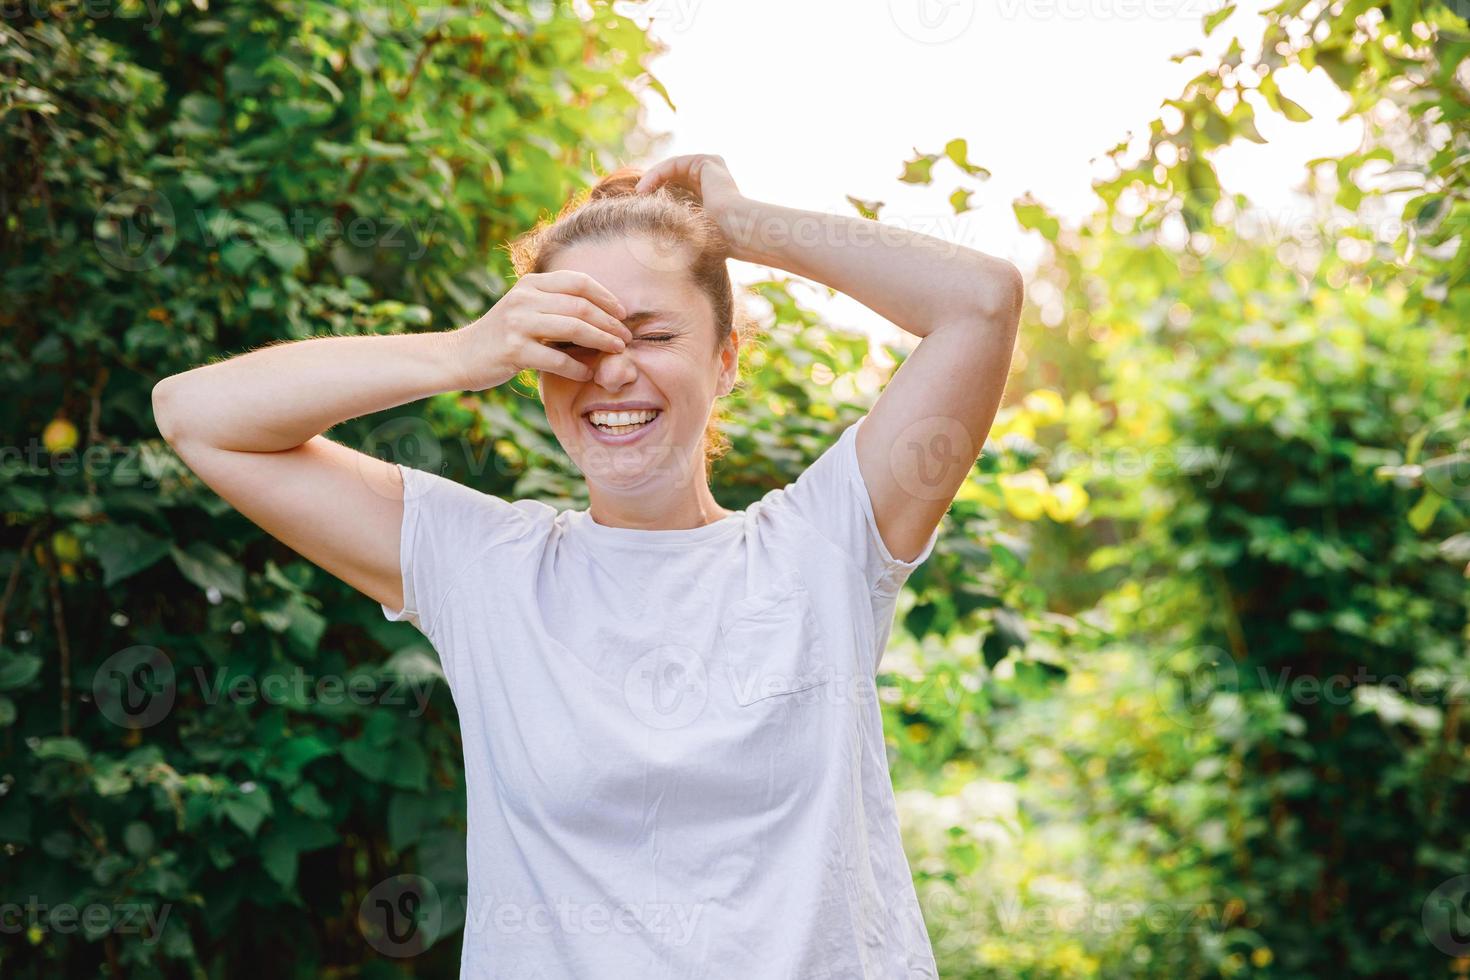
(1181,691)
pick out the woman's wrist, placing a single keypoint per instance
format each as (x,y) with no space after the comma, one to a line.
(739,220)
(448,360)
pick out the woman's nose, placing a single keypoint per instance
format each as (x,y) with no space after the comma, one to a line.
(614,369)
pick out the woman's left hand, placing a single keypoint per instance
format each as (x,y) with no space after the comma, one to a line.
(704,174)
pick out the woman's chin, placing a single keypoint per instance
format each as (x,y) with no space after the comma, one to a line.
(634,465)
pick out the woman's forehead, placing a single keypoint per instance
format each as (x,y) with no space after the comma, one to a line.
(641,275)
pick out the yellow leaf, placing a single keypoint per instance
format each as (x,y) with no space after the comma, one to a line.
(1025,493)
(1013,422)
(1065,501)
(1045,406)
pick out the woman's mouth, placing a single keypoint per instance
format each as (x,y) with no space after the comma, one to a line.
(619,428)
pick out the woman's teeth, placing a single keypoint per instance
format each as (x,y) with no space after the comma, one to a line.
(619,423)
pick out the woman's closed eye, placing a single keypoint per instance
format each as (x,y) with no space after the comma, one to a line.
(569,345)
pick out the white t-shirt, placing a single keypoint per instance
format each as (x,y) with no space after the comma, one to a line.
(673,746)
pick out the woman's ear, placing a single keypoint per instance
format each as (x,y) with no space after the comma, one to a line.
(729,362)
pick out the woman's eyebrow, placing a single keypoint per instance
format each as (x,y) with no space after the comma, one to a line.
(640,317)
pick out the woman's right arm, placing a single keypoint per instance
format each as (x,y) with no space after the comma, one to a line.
(251,426)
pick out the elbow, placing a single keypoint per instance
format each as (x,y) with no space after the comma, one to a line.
(1002,292)
(164,415)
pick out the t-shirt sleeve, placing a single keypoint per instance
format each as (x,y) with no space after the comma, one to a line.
(832,497)
(446,527)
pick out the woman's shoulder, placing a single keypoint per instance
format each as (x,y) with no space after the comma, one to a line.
(459,506)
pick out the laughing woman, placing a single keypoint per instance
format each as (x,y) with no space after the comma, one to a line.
(673,746)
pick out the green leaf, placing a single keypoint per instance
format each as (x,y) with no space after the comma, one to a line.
(958,152)
(278,857)
(68,749)
(308,799)
(201,110)
(916,171)
(1218,17)
(125,550)
(1422,514)
(409,767)
(239,256)
(262,215)
(17,669)
(138,838)
(202,186)
(366,759)
(408,816)
(1291,110)
(286,253)
(209,568)
(248,810)
(1456,548)
(1403,15)
(1008,632)
(868,209)
(1035,217)
(960,200)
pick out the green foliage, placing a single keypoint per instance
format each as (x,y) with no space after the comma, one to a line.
(1257,764)
(1142,702)
(188,188)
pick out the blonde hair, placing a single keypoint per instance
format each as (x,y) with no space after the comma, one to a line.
(670,215)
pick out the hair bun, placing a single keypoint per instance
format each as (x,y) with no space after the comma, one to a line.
(623,182)
(620,183)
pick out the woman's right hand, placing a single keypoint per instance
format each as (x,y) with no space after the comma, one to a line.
(525,329)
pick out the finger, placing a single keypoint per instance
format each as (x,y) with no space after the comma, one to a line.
(582,308)
(576,283)
(555,327)
(548,361)
(675,169)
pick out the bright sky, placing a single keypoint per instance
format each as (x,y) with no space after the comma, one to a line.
(811,100)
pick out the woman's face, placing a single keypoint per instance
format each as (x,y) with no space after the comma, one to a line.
(672,368)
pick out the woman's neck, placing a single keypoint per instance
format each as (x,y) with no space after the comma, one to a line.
(676,510)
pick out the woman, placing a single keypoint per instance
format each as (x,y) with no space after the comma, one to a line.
(673,747)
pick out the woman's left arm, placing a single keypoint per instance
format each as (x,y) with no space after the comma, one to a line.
(922,437)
